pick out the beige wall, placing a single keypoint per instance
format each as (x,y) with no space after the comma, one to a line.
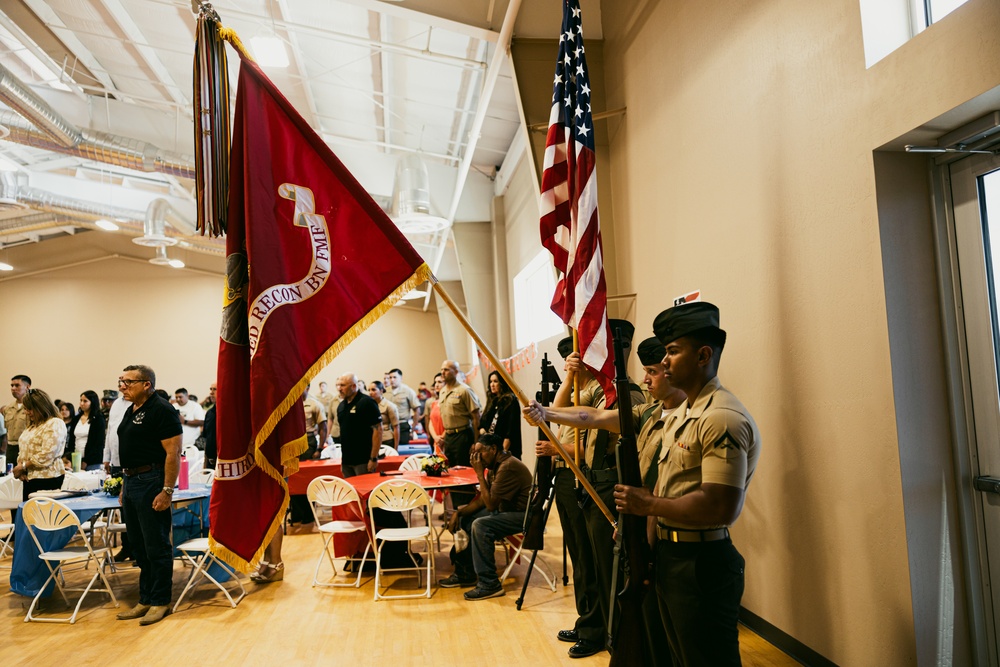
(744,168)
(73,329)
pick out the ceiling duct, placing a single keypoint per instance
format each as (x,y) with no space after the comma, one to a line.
(411,198)
(14,188)
(34,123)
(154,226)
(19,97)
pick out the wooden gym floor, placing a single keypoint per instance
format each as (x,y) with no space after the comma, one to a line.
(291,623)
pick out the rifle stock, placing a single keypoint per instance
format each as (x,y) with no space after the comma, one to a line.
(534,516)
(629,646)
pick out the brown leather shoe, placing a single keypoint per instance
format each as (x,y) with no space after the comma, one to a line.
(156,614)
(138,611)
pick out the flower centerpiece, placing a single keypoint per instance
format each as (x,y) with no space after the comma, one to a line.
(113,486)
(433,466)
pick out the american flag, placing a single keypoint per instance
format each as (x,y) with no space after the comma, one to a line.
(570,227)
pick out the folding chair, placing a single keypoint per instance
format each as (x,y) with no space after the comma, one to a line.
(400,495)
(386,450)
(203,476)
(43,514)
(11,490)
(512,546)
(412,463)
(326,492)
(201,565)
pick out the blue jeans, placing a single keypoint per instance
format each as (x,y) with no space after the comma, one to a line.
(487,528)
(149,536)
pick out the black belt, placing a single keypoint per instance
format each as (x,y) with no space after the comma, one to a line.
(453,431)
(138,470)
(668,534)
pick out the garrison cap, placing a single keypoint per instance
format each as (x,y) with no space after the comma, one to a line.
(627,330)
(109,395)
(651,351)
(565,346)
(685,319)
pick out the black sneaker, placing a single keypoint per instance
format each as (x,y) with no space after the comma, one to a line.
(479,593)
(455,581)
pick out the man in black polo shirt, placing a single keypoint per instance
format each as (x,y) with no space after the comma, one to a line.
(360,428)
(150,449)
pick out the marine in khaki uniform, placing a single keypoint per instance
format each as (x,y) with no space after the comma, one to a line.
(648,420)
(708,456)
(600,468)
(315,424)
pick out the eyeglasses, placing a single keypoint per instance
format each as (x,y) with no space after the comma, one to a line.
(128,383)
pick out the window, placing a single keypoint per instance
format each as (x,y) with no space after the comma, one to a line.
(888,24)
(533,290)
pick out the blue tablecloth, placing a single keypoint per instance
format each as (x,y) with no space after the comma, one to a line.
(28,572)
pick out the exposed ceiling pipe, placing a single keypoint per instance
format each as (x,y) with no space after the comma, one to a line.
(35,123)
(20,98)
(101,147)
(14,190)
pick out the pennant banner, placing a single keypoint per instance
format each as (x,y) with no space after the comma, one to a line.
(311,262)
(511,364)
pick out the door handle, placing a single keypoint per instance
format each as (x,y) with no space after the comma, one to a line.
(987,484)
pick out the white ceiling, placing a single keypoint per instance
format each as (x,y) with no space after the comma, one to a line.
(377,80)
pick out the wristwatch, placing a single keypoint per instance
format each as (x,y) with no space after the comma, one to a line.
(169,490)
(374,459)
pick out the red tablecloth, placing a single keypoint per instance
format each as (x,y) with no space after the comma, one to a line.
(310,470)
(353,543)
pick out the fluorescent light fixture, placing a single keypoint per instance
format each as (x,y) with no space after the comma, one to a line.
(106,225)
(176,263)
(6,267)
(7,165)
(269,51)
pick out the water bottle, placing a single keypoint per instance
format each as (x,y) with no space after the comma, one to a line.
(182,476)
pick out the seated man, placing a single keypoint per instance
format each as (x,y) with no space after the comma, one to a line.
(498,511)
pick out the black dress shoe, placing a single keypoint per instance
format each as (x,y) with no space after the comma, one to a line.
(584,648)
(571,636)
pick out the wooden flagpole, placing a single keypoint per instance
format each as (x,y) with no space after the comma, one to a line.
(576,400)
(523,398)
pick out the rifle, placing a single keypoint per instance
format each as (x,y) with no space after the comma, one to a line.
(534,523)
(629,646)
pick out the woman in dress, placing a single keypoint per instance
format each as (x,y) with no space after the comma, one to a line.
(435,425)
(39,461)
(502,415)
(86,434)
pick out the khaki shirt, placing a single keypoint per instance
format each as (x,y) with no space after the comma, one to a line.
(314,414)
(15,418)
(716,441)
(600,404)
(648,439)
(327,399)
(457,405)
(405,400)
(390,419)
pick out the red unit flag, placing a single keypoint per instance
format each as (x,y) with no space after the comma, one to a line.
(570,227)
(311,261)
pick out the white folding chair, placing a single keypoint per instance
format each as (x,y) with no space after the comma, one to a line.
(412,462)
(203,476)
(386,450)
(43,514)
(326,492)
(515,544)
(330,452)
(11,490)
(401,495)
(201,564)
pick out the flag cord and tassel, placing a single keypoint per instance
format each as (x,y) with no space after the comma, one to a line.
(523,398)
